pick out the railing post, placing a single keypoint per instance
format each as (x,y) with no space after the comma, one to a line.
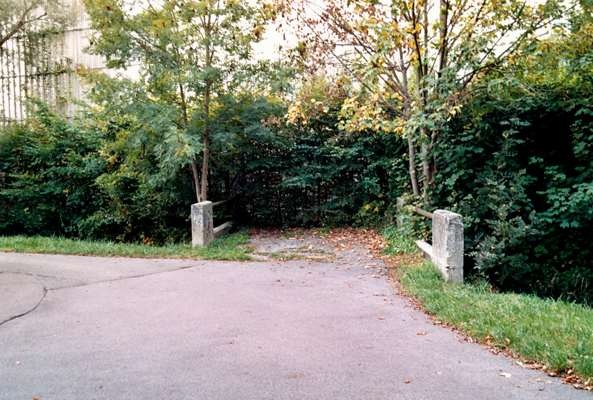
(447,244)
(202,224)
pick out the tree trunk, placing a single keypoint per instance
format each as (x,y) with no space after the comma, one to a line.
(411,145)
(428,165)
(206,145)
(412,166)
(207,93)
(443,35)
(196,179)
(426,168)
(193,165)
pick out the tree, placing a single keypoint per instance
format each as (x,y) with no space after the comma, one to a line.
(414,60)
(19,16)
(189,52)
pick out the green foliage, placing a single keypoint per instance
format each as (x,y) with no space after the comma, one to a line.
(117,176)
(143,188)
(190,55)
(26,17)
(47,176)
(74,179)
(554,333)
(518,165)
(312,173)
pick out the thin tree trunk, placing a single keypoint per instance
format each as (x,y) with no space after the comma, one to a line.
(196,179)
(193,165)
(411,151)
(412,166)
(207,94)
(429,162)
(424,138)
(411,145)
(443,35)
(206,143)
(205,156)
(421,82)
(426,169)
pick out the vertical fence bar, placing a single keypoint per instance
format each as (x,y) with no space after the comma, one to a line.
(3,122)
(15,78)
(20,77)
(8,86)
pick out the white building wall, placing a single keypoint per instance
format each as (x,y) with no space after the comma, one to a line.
(49,73)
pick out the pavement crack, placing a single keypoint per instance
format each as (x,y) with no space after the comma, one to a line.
(123,278)
(45,290)
(44,293)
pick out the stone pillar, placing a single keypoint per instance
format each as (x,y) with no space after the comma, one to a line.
(447,244)
(202,225)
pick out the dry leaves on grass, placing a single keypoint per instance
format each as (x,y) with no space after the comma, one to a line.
(347,238)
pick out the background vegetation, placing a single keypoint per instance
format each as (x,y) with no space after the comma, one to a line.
(511,149)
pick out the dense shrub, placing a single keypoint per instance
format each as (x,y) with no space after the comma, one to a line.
(47,176)
(110,175)
(327,180)
(311,172)
(520,171)
(73,179)
(293,175)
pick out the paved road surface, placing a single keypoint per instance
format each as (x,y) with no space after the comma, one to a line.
(173,329)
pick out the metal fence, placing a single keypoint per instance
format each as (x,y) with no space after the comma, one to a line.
(32,68)
(43,66)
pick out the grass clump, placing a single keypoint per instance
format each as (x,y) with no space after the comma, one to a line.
(232,247)
(554,333)
(398,242)
(401,238)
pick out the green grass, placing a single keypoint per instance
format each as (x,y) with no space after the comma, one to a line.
(231,247)
(398,241)
(554,333)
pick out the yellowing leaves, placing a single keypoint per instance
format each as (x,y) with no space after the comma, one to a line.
(258,32)
(160,23)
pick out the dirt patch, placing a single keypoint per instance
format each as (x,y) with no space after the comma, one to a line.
(340,246)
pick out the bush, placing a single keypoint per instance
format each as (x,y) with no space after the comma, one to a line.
(307,171)
(520,171)
(48,169)
(321,178)
(110,176)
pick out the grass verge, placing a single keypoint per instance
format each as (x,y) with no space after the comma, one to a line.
(554,335)
(230,247)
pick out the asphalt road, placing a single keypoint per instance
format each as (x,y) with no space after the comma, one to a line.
(85,328)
